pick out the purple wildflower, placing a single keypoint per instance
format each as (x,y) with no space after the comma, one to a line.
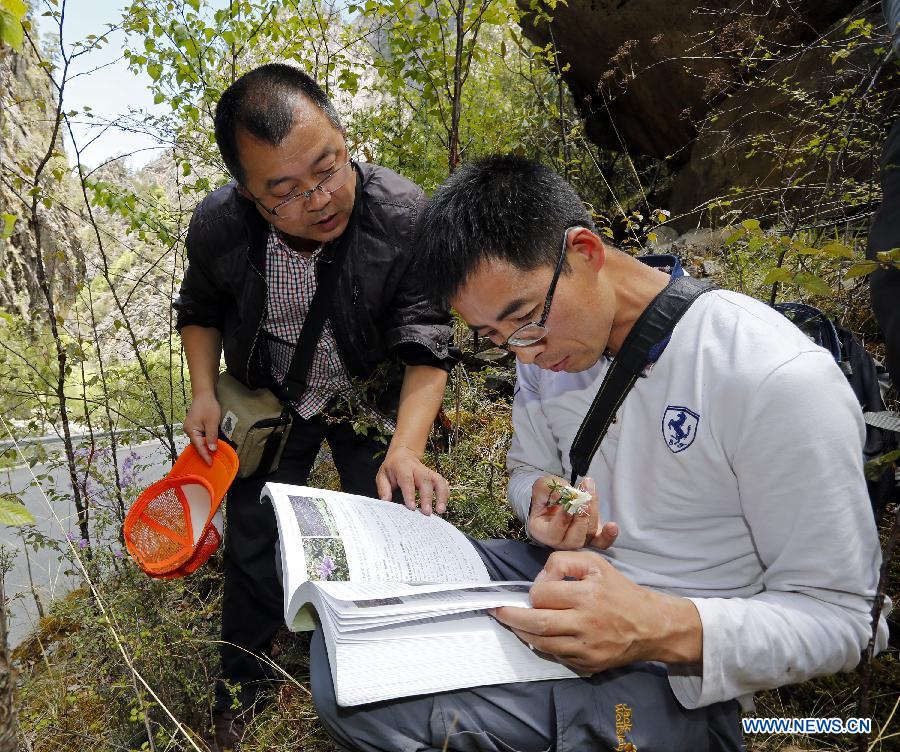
(326,568)
(129,474)
(82,543)
(71,537)
(117,553)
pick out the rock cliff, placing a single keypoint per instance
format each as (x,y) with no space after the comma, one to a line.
(27,109)
(697,85)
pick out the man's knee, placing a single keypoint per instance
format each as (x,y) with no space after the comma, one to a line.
(634,705)
(511,559)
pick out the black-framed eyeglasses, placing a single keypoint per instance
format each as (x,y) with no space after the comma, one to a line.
(534,331)
(333,181)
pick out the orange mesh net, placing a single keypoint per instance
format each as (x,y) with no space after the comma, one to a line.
(207,546)
(158,529)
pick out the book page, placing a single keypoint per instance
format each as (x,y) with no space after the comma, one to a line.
(328,535)
(353,607)
(464,651)
(351,601)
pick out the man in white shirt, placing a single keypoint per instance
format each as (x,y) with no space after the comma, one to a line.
(744,554)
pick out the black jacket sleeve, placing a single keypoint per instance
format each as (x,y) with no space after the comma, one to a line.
(420,330)
(199,301)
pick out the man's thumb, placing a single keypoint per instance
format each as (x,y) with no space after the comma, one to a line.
(606,536)
(575,564)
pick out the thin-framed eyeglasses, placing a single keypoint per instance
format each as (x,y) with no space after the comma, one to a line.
(334,181)
(534,331)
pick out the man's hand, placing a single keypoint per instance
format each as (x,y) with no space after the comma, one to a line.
(551,525)
(601,619)
(403,469)
(201,424)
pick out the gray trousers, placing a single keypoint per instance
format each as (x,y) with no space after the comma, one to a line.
(629,708)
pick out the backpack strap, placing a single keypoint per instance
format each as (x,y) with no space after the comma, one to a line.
(654,324)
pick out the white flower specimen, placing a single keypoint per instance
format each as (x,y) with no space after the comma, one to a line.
(572,500)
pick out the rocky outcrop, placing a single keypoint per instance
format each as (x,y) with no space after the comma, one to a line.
(697,84)
(776,143)
(27,104)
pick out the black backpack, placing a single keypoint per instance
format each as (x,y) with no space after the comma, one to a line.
(867,379)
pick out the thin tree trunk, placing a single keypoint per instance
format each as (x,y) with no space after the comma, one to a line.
(8,725)
(45,285)
(561,110)
(457,86)
(38,603)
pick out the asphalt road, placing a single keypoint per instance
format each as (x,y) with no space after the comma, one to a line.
(49,500)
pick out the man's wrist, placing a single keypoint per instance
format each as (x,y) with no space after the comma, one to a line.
(396,447)
(678,632)
(203,392)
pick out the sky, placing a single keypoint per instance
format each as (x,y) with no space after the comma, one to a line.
(110,91)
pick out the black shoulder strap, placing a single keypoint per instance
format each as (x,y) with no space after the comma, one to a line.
(328,268)
(654,324)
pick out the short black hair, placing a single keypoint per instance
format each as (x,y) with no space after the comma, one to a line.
(263,102)
(504,208)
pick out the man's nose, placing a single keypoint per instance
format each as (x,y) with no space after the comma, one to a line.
(318,200)
(527,354)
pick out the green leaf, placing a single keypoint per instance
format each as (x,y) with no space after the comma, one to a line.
(751,224)
(9,223)
(16,7)
(13,512)
(837,250)
(860,269)
(756,244)
(348,81)
(11,32)
(874,469)
(778,274)
(734,238)
(812,283)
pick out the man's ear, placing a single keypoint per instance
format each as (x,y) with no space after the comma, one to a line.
(589,246)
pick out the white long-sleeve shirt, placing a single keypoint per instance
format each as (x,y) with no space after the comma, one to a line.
(734,472)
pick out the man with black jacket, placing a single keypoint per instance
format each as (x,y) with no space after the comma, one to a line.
(254,249)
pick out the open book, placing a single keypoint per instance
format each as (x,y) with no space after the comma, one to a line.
(401,598)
